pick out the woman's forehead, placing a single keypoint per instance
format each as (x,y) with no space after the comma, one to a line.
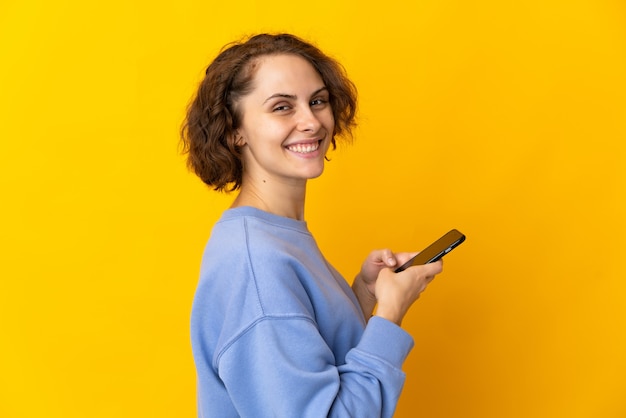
(285,72)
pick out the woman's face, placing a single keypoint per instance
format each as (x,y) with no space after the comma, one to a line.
(286,122)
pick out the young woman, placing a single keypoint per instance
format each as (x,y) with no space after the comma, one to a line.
(276,330)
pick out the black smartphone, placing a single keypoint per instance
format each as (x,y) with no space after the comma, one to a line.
(436,250)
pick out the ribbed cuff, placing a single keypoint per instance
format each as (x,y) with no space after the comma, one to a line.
(384,339)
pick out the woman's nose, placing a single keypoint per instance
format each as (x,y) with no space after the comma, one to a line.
(308,121)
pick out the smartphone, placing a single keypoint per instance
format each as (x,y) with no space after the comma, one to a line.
(436,250)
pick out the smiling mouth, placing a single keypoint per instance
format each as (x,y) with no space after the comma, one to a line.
(304,148)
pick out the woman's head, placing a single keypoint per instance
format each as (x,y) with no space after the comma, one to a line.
(214,115)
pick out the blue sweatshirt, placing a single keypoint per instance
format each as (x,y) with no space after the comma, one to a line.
(277,332)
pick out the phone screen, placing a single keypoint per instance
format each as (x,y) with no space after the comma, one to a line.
(436,250)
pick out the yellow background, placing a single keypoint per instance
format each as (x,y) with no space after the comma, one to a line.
(506,120)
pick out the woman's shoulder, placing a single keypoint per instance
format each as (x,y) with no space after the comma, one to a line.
(247,230)
(261,220)
(274,255)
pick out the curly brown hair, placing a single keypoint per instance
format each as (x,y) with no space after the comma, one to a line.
(212,117)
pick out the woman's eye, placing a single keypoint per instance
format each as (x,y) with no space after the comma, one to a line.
(280,108)
(318,102)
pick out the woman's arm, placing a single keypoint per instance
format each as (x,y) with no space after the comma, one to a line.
(281,367)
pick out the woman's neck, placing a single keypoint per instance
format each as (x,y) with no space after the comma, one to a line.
(284,200)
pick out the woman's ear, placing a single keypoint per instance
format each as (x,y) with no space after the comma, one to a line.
(239,139)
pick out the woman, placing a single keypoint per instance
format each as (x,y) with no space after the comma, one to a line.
(276,330)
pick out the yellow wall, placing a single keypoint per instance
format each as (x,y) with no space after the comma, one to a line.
(506,120)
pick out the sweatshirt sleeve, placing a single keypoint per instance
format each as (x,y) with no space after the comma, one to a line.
(281,367)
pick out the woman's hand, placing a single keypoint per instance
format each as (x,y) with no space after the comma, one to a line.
(396,292)
(364,285)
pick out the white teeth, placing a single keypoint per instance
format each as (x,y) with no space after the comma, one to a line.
(304,148)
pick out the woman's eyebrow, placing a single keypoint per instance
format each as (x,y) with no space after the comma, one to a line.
(318,91)
(282,96)
(293,96)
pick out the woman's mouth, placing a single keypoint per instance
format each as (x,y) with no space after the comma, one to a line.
(304,148)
